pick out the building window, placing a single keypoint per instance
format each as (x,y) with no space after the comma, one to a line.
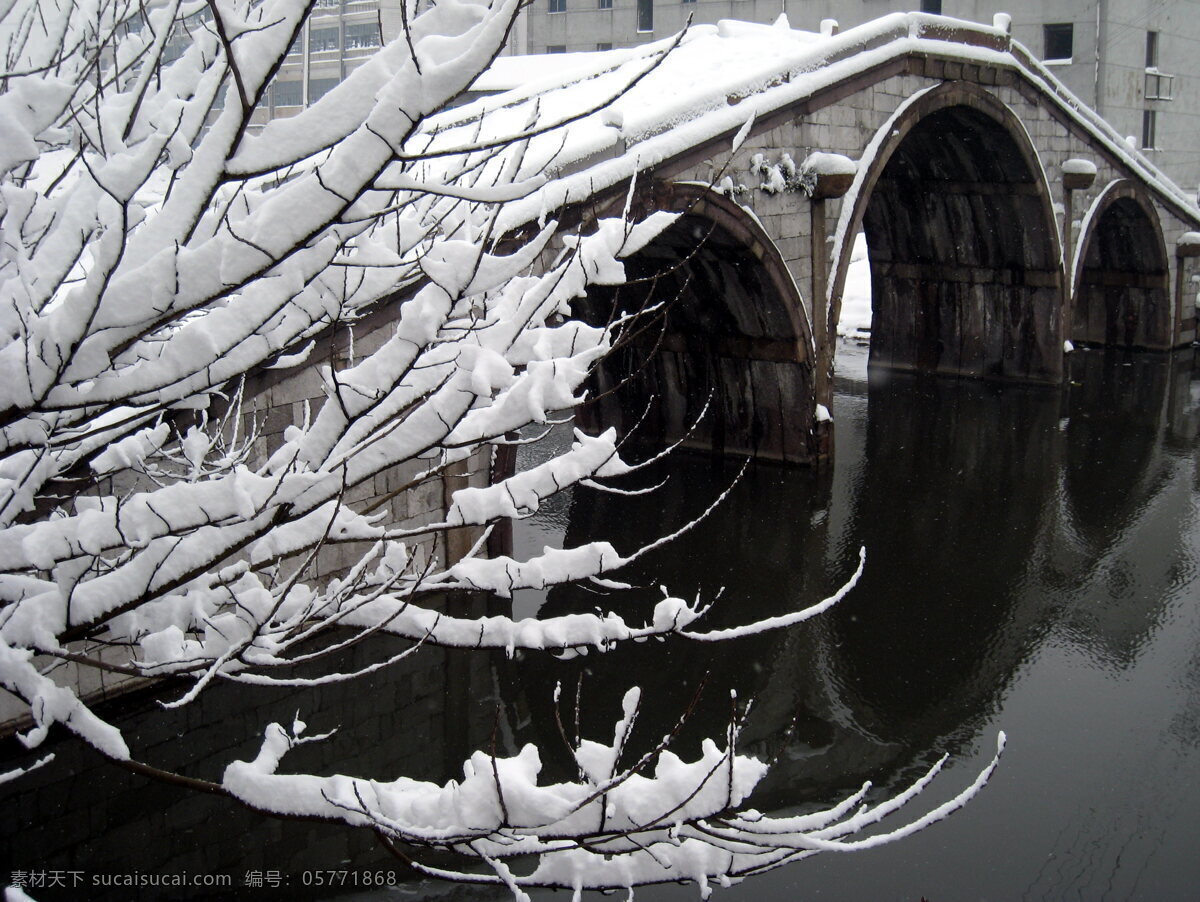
(322,39)
(645,13)
(319,87)
(687,1)
(556,48)
(604,45)
(1058,41)
(934,7)
(364,35)
(1149,128)
(1159,86)
(604,4)
(289,93)
(558,6)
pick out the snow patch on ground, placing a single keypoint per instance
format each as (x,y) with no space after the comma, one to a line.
(855,320)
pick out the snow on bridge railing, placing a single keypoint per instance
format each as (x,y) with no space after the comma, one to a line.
(750,71)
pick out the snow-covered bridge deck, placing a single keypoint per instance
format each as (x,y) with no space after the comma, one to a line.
(1005,219)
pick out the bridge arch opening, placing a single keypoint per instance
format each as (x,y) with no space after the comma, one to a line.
(966,274)
(1121,293)
(727,329)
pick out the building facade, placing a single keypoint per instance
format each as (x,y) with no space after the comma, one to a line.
(1136,62)
(339,36)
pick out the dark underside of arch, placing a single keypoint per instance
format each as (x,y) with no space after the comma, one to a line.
(716,333)
(964,274)
(1122,300)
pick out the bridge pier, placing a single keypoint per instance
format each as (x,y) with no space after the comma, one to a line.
(823,177)
(1188,249)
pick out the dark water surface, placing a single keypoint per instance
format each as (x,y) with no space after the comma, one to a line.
(1033,566)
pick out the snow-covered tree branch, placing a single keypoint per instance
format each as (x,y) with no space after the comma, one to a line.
(167,263)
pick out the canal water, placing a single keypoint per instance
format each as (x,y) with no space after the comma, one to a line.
(1033,566)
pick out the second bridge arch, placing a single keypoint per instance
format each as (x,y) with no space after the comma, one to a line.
(966,274)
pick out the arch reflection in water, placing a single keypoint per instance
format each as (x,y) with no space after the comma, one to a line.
(1025,546)
(1033,565)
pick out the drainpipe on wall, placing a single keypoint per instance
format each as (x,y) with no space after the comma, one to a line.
(304,66)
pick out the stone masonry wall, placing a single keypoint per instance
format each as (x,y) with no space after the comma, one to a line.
(274,400)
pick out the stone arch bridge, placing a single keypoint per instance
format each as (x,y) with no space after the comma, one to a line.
(1005,222)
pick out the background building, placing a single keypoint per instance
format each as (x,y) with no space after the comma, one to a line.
(1136,62)
(337,38)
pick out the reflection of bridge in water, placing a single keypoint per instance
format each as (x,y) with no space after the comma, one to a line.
(1003,217)
(991,537)
(910,665)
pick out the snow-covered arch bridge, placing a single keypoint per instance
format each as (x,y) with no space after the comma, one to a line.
(1005,219)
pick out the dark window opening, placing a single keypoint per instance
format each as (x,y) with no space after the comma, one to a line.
(1058,41)
(558,6)
(934,7)
(556,48)
(604,4)
(604,45)
(323,39)
(319,87)
(289,93)
(365,35)
(1149,128)
(1151,49)
(645,13)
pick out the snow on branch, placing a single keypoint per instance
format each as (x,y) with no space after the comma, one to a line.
(252,375)
(658,819)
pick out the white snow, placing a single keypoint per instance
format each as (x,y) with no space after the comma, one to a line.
(854,321)
(821,163)
(668,110)
(1079,167)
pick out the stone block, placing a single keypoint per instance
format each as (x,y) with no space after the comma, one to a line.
(305,384)
(426,497)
